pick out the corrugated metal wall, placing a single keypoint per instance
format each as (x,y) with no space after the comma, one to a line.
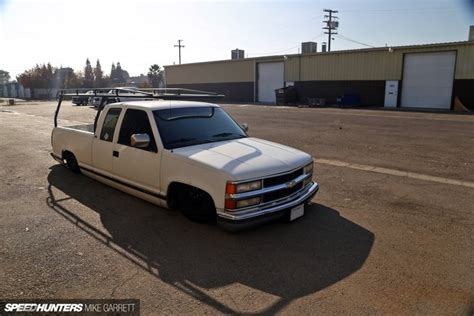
(465,62)
(370,64)
(211,72)
(376,65)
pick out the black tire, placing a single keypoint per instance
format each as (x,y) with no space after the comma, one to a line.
(194,203)
(71,162)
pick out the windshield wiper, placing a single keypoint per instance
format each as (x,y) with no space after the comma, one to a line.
(189,141)
(182,140)
(226,134)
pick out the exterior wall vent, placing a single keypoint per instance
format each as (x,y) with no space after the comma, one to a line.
(324,47)
(309,47)
(238,54)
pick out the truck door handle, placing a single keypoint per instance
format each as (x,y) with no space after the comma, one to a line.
(115,153)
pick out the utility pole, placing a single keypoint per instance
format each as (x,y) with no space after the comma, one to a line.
(332,24)
(179,49)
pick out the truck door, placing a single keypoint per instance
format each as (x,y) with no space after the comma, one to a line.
(103,144)
(138,166)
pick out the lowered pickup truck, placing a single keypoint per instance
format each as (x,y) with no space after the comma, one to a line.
(190,156)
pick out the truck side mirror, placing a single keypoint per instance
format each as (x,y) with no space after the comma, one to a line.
(140,140)
(245,127)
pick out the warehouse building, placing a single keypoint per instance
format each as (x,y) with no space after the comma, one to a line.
(435,76)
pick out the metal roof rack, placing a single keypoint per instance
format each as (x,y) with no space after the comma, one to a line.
(132,93)
(151,93)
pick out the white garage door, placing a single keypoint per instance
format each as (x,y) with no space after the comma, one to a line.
(270,78)
(428,80)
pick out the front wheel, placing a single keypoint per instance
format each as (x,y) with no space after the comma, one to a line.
(198,206)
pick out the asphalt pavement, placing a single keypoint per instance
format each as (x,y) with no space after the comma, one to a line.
(390,231)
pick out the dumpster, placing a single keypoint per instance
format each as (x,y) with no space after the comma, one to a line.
(349,100)
(286,96)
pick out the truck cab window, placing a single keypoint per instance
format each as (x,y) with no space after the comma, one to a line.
(136,122)
(110,121)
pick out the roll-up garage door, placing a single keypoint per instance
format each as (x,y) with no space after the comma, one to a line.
(270,78)
(428,80)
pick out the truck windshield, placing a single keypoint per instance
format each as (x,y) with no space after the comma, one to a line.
(182,127)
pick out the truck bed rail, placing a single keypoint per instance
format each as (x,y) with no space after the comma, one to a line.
(131,93)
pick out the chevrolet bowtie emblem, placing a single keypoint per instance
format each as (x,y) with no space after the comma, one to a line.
(290,184)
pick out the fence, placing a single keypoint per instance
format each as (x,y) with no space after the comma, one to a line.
(16,90)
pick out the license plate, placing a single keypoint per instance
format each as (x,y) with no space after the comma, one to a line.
(296,212)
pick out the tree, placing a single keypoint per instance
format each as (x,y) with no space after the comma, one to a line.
(27,78)
(71,79)
(155,76)
(88,75)
(112,73)
(98,76)
(66,78)
(39,77)
(4,76)
(106,82)
(47,76)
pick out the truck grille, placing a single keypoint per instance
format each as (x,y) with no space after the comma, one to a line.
(281,179)
(276,195)
(284,178)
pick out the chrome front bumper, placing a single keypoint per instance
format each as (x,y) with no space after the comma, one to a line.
(293,200)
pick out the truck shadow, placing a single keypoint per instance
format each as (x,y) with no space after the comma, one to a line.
(285,260)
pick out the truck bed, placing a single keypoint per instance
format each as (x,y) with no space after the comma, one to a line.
(83,127)
(76,139)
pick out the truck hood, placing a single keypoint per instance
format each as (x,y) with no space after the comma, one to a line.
(246,158)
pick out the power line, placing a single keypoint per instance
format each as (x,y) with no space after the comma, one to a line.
(276,52)
(319,35)
(179,49)
(402,10)
(352,40)
(287,49)
(332,24)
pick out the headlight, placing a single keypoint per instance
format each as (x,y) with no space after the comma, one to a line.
(233,188)
(308,168)
(249,186)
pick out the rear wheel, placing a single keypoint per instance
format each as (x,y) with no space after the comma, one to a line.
(71,162)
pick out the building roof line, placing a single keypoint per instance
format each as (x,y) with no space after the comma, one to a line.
(281,57)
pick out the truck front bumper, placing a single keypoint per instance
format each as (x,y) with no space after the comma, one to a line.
(234,221)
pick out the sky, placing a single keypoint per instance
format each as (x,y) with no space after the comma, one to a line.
(143,32)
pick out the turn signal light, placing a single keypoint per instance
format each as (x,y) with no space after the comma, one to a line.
(230,204)
(231,188)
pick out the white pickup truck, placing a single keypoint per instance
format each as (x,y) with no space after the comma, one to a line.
(190,156)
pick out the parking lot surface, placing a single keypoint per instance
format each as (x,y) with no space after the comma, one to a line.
(391,230)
